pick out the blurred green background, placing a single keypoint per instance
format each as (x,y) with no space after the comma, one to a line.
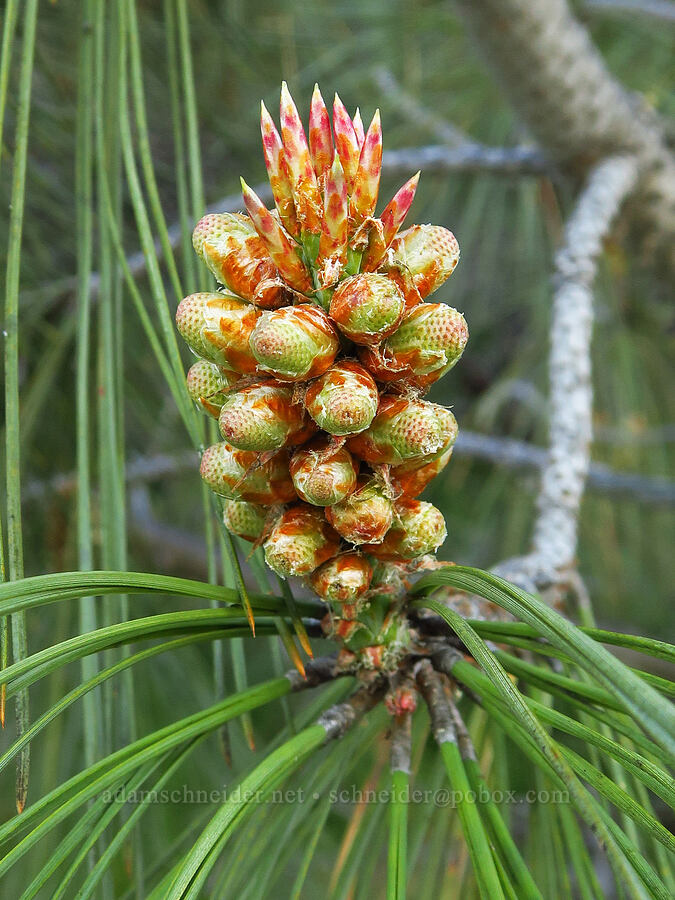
(507,227)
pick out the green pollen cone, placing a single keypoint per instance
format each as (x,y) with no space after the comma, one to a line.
(294,343)
(343,400)
(405,430)
(260,417)
(367,307)
(322,477)
(238,475)
(429,341)
(208,384)
(365,515)
(300,542)
(418,528)
(246,520)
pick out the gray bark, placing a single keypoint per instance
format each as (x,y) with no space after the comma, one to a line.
(558,84)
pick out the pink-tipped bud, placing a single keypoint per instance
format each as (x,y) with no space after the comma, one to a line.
(234,252)
(320,140)
(357,122)
(208,385)
(419,528)
(344,579)
(261,417)
(322,476)
(279,246)
(367,308)
(217,327)
(343,400)
(410,479)
(295,343)
(365,515)
(405,430)
(400,700)
(238,475)
(277,172)
(246,520)
(335,227)
(367,180)
(301,172)
(392,218)
(300,542)
(346,142)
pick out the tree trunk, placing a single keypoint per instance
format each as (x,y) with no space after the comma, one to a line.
(558,83)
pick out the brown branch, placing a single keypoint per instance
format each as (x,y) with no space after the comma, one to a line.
(317,671)
(337,720)
(432,689)
(401,743)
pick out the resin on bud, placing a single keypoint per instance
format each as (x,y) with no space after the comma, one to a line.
(422,258)
(391,219)
(280,247)
(343,400)
(234,252)
(344,579)
(367,308)
(405,430)
(261,417)
(277,172)
(300,541)
(294,343)
(418,528)
(365,516)
(346,142)
(323,476)
(238,475)
(410,479)
(217,327)
(428,343)
(367,179)
(246,520)
(208,385)
(303,180)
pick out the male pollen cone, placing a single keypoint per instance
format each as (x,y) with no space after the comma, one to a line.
(294,343)
(233,251)
(323,476)
(344,399)
(217,327)
(300,541)
(405,429)
(367,308)
(418,529)
(246,520)
(313,355)
(365,515)
(238,475)
(343,579)
(261,417)
(429,341)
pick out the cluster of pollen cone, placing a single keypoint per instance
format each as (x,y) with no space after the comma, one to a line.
(314,356)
